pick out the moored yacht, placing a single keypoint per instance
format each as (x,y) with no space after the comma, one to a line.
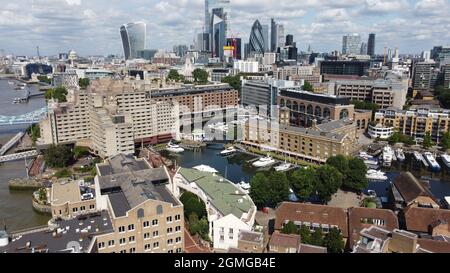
(283,167)
(264,162)
(376,175)
(387,156)
(446,159)
(244,186)
(400,155)
(174,148)
(228,151)
(434,166)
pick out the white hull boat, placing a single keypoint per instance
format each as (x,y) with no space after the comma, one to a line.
(434,166)
(228,151)
(283,167)
(400,155)
(264,162)
(446,159)
(376,175)
(174,148)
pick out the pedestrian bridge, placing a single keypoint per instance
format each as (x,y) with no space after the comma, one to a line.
(18,156)
(28,118)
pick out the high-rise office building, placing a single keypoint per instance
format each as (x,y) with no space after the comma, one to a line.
(289,40)
(134,36)
(237,44)
(351,44)
(280,33)
(218,33)
(210,6)
(265,33)
(363,49)
(273,35)
(180,50)
(256,43)
(371,45)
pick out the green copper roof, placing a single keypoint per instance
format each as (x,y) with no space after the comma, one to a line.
(222,194)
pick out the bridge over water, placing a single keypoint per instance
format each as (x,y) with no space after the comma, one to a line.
(12,157)
(28,118)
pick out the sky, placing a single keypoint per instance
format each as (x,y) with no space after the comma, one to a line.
(91,27)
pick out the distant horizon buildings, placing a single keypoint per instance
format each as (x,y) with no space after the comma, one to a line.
(134,36)
(371,45)
(256,42)
(351,44)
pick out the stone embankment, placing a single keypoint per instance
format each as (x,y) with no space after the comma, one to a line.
(25,184)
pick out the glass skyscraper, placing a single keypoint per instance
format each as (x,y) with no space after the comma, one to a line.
(134,36)
(257,43)
(351,44)
(371,45)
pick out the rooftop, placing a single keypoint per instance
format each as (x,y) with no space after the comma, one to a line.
(285,240)
(69,233)
(222,193)
(410,187)
(253,237)
(305,248)
(424,219)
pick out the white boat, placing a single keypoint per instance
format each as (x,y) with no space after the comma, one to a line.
(174,148)
(446,159)
(264,162)
(434,166)
(387,156)
(400,155)
(376,175)
(228,151)
(244,186)
(205,168)
(283,167)
(372,193)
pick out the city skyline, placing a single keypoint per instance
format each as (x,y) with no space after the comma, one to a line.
(91,27)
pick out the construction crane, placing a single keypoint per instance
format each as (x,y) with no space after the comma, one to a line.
(233,37)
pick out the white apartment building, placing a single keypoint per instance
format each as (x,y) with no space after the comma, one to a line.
(246,66)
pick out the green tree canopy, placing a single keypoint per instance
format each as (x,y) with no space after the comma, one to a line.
(35,132)
(445,141)
(443,95)
(233,81)
(317,238)
(355,178)
(79,152)
(279,186)
(303,182)
(58,93)
(328,182)
(84,83)
(427,141)
(334,241)
(175,76)
(308,87)
(200,76)
(398,137)
(340,162)
(58,156)
(289,228)
(363,105)
(305,234)
(268,189)
(193,204)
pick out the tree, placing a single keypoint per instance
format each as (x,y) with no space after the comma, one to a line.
(305,234)
(289,228)
(445,141)
(317,238)
(58,156)
(279,188)
(443,95)
(58,93)
(355,178)
(175,76)
(308,87)
(303,182)
(233,81)
(328,182)
(427,141)
(44,79)
(84,83)
(365,105)
(200,76)
(80,152)
(340,162)
(35,132)
(192,204)
(260,190)
(334,241)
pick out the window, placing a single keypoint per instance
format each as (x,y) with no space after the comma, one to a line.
(178,239)
(155,233)
(123,251)
(177,228)
(131,239)
(122,229)
(177,217)
(170,241)
(169,230)
(147,247)
(140,213)
(101,245)
(132,250)
(159,209)
(170,251)
(91,206)
(131,227)
(179,250)
(146,235)
(122,241)
(75,209)
(169,219)
(156,245)
(82,208)
(155,222)
(111,243)
(146,224)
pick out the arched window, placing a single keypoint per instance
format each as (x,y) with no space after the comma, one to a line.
(326,112)
(343,114)
(289,104)
(282,103)
(309,110)
(318,111)
(295,108)
(358,124)
(302,108)
(159,209)
(363,124)
(140,213)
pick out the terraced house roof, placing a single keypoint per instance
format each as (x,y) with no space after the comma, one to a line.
(222,194)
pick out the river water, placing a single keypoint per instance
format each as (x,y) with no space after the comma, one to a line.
(15,206)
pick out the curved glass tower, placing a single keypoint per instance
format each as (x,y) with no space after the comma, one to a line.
(257,43)
(133,36)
